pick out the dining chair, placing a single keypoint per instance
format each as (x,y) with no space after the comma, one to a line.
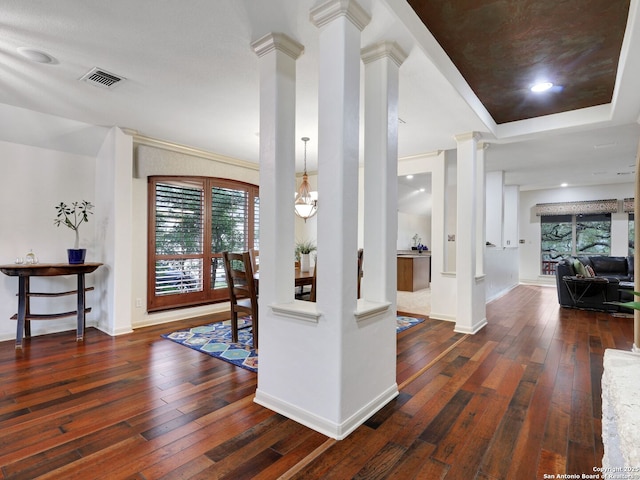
(243,296)
(255,259)
(312,294)
(301,293)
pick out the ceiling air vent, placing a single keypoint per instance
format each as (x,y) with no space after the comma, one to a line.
(101,78)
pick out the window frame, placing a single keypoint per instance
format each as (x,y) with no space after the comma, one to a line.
(547,267)
(208,294)
(631,229)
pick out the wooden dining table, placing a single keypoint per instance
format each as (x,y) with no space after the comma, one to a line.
(300,279)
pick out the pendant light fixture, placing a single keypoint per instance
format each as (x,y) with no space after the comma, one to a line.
(306,204)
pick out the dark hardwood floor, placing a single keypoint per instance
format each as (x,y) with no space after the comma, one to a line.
(518,400)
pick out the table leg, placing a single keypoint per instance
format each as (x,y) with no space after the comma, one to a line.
(27,322)
(81,301)
(23,288)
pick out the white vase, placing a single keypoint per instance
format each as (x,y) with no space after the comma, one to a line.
(304,262)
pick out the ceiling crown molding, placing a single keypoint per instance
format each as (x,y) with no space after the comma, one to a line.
(331,9)
(196,152)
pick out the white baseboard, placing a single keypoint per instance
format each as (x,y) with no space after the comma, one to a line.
(442,316)
(472,330)
(325,426)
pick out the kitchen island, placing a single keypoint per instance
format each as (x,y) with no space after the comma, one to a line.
(414,271)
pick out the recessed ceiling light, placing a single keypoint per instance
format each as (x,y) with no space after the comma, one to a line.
(422,189)
(409,177)
(564,184)
(34,55)
(541,87)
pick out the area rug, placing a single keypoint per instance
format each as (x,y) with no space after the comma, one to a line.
(215,340)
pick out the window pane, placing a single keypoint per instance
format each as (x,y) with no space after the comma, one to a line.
(556,241)
(179,219)
(256,223)
(632,234)
(593,234)
(229,226)
(218,275)
(178,276)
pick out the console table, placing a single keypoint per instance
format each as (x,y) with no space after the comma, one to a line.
(25,272)
(578,287)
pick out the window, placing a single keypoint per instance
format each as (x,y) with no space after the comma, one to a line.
(192,220)
(570,235)
(632,234)
(556,240)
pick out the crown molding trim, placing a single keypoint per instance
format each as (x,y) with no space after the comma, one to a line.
(184,149)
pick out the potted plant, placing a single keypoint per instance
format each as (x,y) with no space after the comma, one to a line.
(303,249)
(632,304)
(73,216)
(416,241)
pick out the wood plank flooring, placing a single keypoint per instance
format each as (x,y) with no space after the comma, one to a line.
(518,400)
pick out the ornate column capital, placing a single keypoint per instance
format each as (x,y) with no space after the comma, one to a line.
(383,50)
(465,137)
(277,41)
(332,9)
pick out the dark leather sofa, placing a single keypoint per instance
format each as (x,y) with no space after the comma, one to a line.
(593,293)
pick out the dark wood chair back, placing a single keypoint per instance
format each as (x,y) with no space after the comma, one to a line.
(255,259)
(312,294)
(243,295)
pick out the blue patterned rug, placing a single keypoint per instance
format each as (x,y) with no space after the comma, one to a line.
(215,340)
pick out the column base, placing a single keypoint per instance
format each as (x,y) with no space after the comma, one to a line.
(330,428)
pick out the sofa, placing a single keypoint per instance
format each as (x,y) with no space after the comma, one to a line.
(590,282)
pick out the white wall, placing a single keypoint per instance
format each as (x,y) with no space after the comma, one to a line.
(410,224)
(494,205)
(530,223)
(34,180)
(113,213)
(501,270)
(510,227)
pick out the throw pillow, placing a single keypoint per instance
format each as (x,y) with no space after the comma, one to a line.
(579,268)
(590,272)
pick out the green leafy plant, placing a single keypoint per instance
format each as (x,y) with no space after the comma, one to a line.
(306,246)
(632,305)
(73,216)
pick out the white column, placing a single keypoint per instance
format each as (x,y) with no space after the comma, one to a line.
(277,62)
(471,311)
(382,64)
(114,220)
(494,208)
(340,24)
(481,220)
(323,377)
(636,264)
(443,282)
(356,390)
(278,54)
